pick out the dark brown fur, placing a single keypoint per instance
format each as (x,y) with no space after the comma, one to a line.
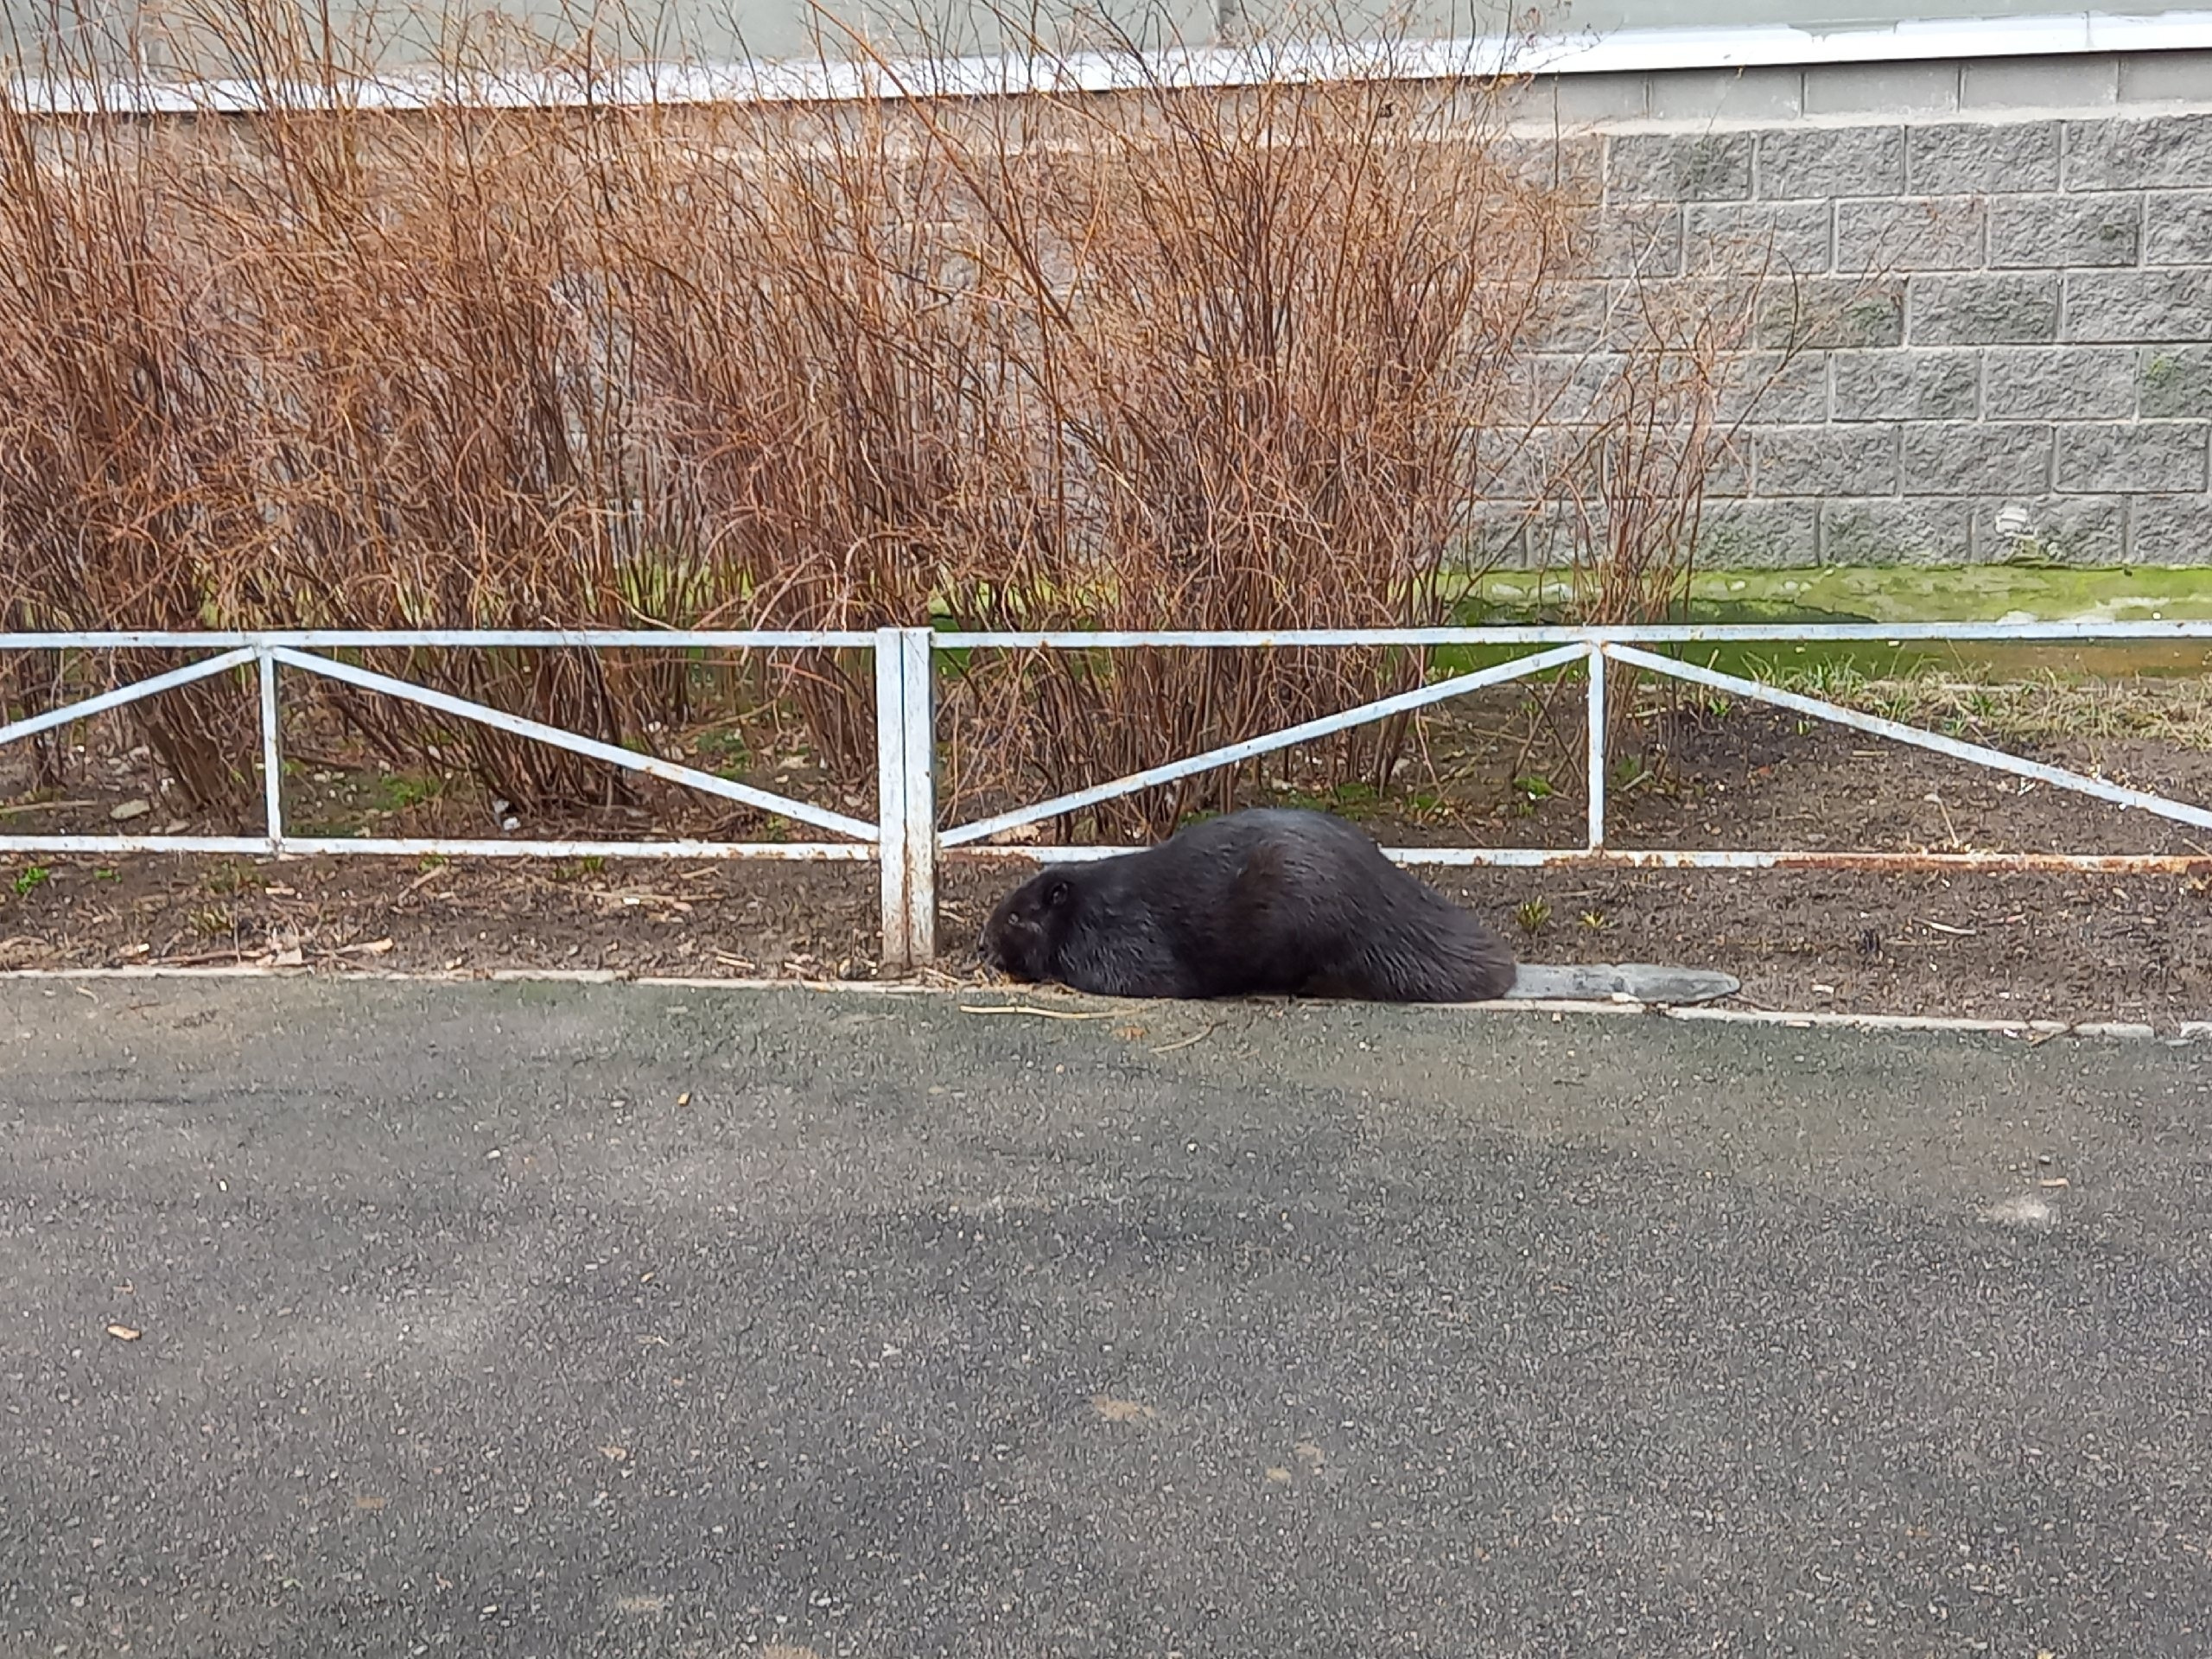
(1257,903)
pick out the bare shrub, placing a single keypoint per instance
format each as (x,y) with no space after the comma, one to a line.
(1169,359)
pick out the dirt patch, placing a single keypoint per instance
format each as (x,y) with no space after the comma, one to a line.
(1991,946)
(2040,945)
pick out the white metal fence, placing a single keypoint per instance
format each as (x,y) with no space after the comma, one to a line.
(905,839)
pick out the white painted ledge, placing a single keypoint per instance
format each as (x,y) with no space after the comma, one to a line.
(1621,52)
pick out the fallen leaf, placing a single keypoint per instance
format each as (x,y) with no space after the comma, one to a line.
(363,1502)
(124,1333)
(129,810)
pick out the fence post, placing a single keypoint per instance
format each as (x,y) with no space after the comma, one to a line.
(906,753)
(272,759)
(1596,747)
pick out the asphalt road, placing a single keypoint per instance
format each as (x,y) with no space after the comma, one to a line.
(519,1319)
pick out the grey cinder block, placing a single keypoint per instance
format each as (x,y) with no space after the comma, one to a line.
(1917,233)
(2059,382)
(2049,231)
(2166,152)
(1774,388)
(1981,158)
(1526,465)
(2174,382)
(1906,385)
(1572,164)
(2144,307)
(1832,312)
(2178,228)
(1822,461)
(2066,529)
(1981,310)
(1784,238)
(1637,238)
(1893,531)
(2137,457)
(2169,529)
(1810,162)
(1567,388)
(1977,458)
(1679,167)
(1759,534)
(1572,316)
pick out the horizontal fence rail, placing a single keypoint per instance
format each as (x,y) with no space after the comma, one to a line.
(905,841)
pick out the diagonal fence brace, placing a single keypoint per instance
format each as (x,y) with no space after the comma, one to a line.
(1229,755)
(1874,725)
(651,765)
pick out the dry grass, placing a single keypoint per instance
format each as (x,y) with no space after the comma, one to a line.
(1247,359)
(2171,710)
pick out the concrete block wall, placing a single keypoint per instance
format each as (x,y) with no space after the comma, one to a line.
(1998,274)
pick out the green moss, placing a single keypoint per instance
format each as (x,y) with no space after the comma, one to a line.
(1884,593)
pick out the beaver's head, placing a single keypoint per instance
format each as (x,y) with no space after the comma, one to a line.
(1023,937)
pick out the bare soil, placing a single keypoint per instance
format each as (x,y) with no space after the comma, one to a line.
(2073,947)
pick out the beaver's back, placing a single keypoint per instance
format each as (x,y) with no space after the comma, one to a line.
(1280,901)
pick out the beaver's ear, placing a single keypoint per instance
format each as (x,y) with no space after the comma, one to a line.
(1057,892)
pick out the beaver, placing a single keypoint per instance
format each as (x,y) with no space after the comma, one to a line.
(1270,901)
